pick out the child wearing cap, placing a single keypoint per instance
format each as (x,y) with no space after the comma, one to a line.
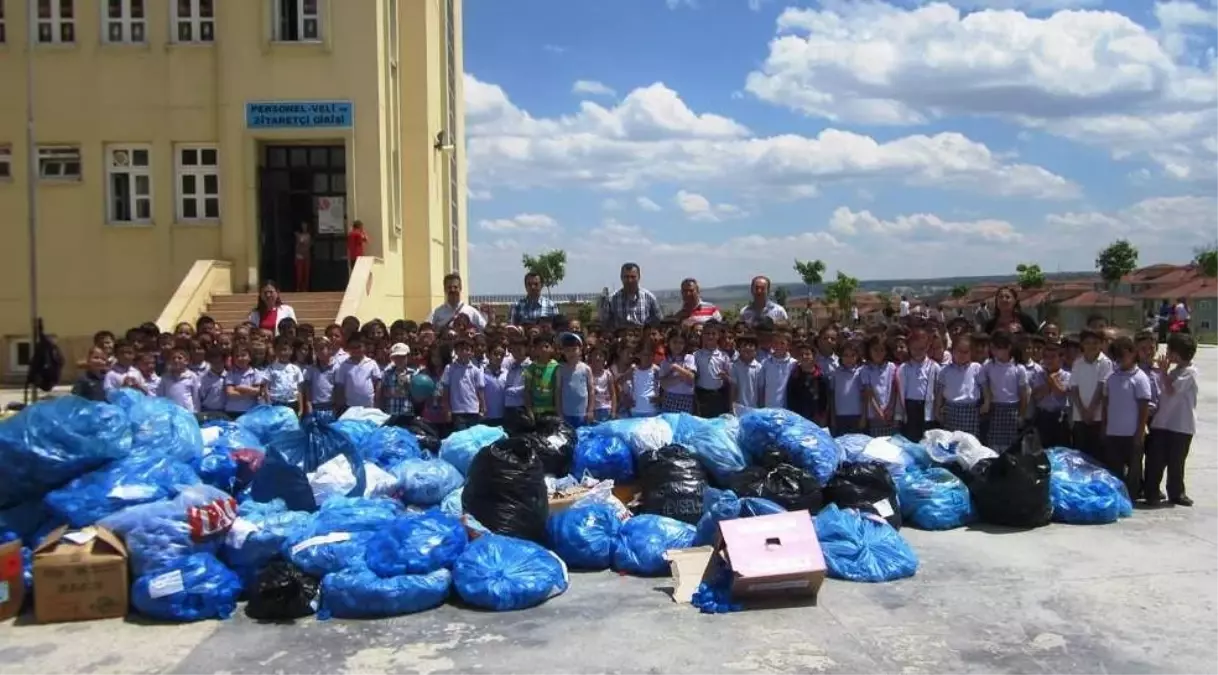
(395,385)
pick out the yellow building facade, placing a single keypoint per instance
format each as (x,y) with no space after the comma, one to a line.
(170,132)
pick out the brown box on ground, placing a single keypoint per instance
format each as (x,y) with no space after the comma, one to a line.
(774,560)
(80,575)
(12,586)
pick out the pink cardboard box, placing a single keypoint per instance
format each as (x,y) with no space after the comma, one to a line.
(773,557)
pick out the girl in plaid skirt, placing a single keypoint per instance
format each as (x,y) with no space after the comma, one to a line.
(880,389)
(677,376)
(1005,393)
(958,390)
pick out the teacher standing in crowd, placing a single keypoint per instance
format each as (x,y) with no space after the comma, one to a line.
(442,316)
(762,305)
(1007,314)
(694,310)
(630,305)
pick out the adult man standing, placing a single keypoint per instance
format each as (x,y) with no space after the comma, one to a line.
(442,316)
(903,307)
(532,307)
(762,305)
(694,310)
(630,305)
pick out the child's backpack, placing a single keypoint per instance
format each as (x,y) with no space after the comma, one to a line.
(46,363)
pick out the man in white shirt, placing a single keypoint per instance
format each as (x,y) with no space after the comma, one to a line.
(442,316)
(904,307)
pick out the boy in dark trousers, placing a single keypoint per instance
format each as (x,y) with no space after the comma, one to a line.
(808,388)
(1175,421)
(1125,410)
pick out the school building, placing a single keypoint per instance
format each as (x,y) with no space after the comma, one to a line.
(181,144)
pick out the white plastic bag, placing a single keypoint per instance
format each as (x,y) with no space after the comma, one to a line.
(336,478)
(956,446)
(377,417)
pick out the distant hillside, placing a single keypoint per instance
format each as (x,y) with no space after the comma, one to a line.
(914,287)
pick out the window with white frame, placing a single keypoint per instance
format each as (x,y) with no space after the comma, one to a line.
(125,22)
(194,20)
(3,25)
(56,21)
(198,183)
(6,160)
(297,20)
(128,184)
(59,162)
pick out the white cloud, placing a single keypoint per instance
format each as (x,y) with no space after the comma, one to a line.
(700,209)
(479,195)
(647,204)
(1189,217)
(651,136)
(611,204)
(1067,73)
(850,223)
(1027,5)
(525,222)
(592,88)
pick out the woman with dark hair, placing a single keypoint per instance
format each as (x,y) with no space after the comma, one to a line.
(270,310)
(1007,313)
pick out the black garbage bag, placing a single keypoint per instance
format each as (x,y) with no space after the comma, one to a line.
(865,486)
(505,490)
(672,483)
(1012,489)
(282,593)
(554,442)
(775,478)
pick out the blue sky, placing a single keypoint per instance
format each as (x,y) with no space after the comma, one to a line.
(724,138)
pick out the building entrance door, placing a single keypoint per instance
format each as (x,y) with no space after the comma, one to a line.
(303,184)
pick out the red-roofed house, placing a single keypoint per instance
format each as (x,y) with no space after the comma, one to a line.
(1200,293)
(1120,311)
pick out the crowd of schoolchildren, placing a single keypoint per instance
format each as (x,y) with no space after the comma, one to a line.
(1102,393)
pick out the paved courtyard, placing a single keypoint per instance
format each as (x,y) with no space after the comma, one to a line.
(1137,596)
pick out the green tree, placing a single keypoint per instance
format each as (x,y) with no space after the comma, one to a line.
(959,291)
(730,314)
(1206,258)
(551,266)
(1030,276)
(812,272)
(1114,262)
(585,312)
(781,296)
(841,292)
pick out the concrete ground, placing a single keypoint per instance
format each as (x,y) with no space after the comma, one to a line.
(1137,596)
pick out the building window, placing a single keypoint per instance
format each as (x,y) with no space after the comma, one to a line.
(194,20)
(198,179)
(125,22)
(56,21)
(59,162)
(6,160)
(20,354)
(3,25)
(128,184)
(297,20)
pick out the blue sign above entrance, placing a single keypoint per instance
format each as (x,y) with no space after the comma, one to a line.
(299,114)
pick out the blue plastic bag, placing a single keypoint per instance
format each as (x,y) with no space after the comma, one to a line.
(218,469)
(356,431)
(451,505)
(1084,493)
(726,505)
(460,447)
(585,535)
(505,574)
(280,479)
(418,544)
(425,482)
(328,553)
(642,541)
(603,456)
(640,434)
(162,428)
(233,436)
(193,588)
(387,446)
(357,593)
(311,444)
(268,421)
(355,514)
(862,548)
(127,482)
(809,446)
(934,499)
(157,533)
(712,443)
(24,520)
(258,535)
(54,441)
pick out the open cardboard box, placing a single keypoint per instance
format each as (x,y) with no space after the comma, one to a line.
(80,575)
(774,560)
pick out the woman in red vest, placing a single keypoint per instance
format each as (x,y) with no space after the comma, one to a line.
(270,310)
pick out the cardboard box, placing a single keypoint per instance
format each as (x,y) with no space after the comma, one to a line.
(771,558)
(12,586)
(80,575)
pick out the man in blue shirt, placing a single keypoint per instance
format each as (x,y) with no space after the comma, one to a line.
(532,307)
(630,305)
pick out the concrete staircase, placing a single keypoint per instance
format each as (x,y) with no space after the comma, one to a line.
(319,309)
